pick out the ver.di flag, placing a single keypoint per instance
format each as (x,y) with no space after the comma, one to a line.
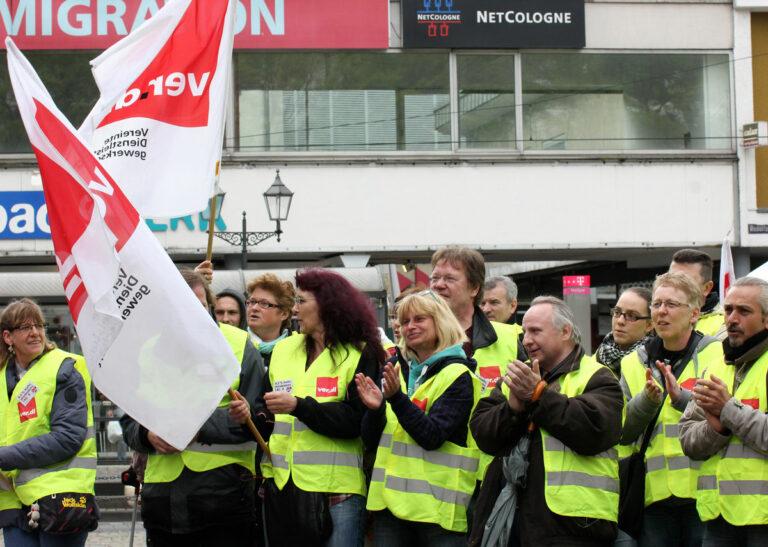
(149,344)
(158,125)
(727,274)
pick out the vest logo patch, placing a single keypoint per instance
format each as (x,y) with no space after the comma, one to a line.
(421,403)
(490,375)
(688,384)
(327,386)
(754,403)
(27,411)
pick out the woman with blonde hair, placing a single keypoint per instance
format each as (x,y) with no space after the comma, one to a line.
(47,431)
(426,461)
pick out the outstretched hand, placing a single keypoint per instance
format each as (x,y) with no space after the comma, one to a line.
(369,392)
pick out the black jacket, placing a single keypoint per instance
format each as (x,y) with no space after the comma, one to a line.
(587,424)
(482,335)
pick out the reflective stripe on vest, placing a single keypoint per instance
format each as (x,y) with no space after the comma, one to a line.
(315,462)
(164,468)
(430,486)
(77,474)
(670,473)
(733,482)
(492,364)
(578,485)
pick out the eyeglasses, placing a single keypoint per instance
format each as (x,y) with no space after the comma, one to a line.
(670,304)
(26,329)
(300,301)
(629,316)
(263,304)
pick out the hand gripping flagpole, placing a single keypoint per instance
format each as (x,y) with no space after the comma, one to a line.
(251,426)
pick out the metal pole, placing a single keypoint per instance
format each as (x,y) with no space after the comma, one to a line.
(244,253)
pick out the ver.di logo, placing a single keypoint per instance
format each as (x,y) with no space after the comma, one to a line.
(438,16)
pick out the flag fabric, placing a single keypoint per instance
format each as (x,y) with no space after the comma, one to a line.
(149,344)
(727,275)
(158,126)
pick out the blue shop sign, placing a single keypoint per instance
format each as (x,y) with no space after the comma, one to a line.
(24,215)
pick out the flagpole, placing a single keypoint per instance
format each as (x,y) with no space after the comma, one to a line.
(252,427)
(211,221)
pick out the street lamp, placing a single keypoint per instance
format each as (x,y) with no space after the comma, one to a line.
(278,200)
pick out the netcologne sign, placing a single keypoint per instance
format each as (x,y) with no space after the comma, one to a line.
(493,23)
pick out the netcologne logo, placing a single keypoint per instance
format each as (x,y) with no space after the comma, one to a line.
(438,16)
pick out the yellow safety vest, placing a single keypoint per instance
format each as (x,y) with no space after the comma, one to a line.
(734,482)
(430,486)
(204,457)
(492,364)
(28,416)
(577,485)
(315,462)
(8,498)
(634,377)
(669,472)
(712,324)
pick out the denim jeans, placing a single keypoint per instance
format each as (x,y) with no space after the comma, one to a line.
(671,525)
(390,531)
(16,537)
(719,533)
(348,519)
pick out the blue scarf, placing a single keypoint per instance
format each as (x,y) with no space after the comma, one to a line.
(265,348)
(418,370)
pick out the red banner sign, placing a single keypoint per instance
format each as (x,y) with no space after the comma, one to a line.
(261,24)
(576,284)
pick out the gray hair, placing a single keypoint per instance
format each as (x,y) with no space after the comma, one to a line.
(509,285)
(755,282)
(562,315)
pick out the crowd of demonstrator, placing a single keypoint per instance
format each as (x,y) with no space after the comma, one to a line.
(470,430)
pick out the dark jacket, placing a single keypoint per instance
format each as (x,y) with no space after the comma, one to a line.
(482,335)
(238,296)
(222,496)
(587,424)
(448,417)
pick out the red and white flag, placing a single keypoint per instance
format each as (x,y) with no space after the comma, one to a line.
(149,344)
(158,126)
(727,275)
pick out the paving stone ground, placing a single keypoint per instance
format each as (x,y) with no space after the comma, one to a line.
(112,534)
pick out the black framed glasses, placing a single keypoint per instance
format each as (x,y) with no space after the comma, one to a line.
(629,316)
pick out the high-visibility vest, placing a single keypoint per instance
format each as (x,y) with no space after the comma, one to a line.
(315,462)
(8,498)
(634,378)
(28,415)
(430,486)
(205,457)
(576,485)
(734,482)
(712,324)
(492,364)
(669,472)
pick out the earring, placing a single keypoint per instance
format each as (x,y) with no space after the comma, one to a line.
(10,348)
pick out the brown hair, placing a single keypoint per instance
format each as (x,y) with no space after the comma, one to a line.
(14,315)
(196,279)
(470,260)
(283,292)
(693,256)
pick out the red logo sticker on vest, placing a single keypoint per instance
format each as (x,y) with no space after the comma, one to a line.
(392,351)
(688,384)
(490,375)
(27,411)
(327,386)
(421,403)
(754,403)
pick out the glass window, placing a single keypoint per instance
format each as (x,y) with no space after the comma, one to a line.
(586,101)
(69,81)
(486,101)
(342,101)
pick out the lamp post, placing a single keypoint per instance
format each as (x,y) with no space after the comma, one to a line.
(278,201)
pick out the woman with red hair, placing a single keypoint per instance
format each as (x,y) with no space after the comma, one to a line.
(315,490)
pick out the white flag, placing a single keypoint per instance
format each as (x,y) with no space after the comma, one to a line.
(727,275)
(149,344)
(158,125)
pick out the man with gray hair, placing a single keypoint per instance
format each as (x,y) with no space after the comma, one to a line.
(569,408)
(499,301)
(726,425)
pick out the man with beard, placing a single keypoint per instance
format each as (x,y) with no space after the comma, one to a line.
(726,425)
